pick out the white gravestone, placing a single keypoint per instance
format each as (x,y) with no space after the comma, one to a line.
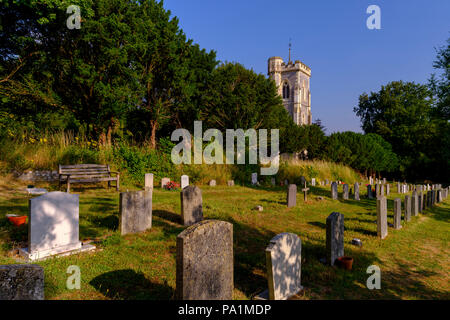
(254,178)
(149,181)
(53,226)
(313,182)
(184,181)
(284,265)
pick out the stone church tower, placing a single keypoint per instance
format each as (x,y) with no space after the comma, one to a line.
(292,80)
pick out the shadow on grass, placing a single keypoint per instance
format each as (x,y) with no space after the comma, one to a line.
(167,215)
(128,284)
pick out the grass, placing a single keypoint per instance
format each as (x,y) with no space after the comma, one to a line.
(414,261)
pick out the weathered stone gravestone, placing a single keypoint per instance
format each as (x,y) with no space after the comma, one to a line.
(377,190)
(356,191)
(53,226)
(230,183)
(384,180)
(382,190)
(305,192)
(439,196)
(369,192)
(191,205)
(292,196)
(388,189)
(212,183)
(382,227)
(407,208)
(397,213)
(345,192)
(370,180)
(284,266)
(414,204)
(164,181)
(335,237)
(204,268)
(254,178)
(313,182)
(21,282)
(399,190)
(421,198)
(148,181)
(135,211)
(184,181)
(334,191)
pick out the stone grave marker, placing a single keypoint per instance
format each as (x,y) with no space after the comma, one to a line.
(334,191)
(369,192)
(345,192)
(292,196)
(382,227)
(335,237)
(356,191)
(164,181)
(53,226)
(284,266)
(191,205)
(230,183)
(204,269)
(184,181)
(421,198)
(21,282)
(135,209)
(305,191)
(273,181)
(148,181)
(414,204)
(397,213)
(388,189)
(407,208)
(313,182)
(254,178)
(212,183)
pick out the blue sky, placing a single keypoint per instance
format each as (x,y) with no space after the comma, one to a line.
(331,37)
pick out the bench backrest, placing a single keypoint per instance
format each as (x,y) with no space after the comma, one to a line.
(84,170)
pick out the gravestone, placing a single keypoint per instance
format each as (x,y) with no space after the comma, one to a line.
(433,197)
(292,195)
(382,227)
(398,187)
(254,178)
(302,180)
(21,282)
(439,196)
(369,192)
(313,182)
(407,208)
(164,182)
(53,226)
(345,192)
(191,205)
(135,209)
(273,181)
(384,180)
(148,181)
(230,183)
(370,180)
(334,191)
(305,192)
(388,189)
(356,191)
(414,204)
(397,213)
(212,183)
(421,198)
(327,182)
(377,190)
(382,190)
(204,269)
(284,266)
(335,237)
(184,181)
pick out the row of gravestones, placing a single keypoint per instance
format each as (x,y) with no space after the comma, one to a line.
(184,182)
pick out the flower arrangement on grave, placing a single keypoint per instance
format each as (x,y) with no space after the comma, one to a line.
(172,185)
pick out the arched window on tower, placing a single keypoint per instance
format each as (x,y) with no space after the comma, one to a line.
(285,90)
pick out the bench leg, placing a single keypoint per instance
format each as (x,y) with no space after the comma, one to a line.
(117,183)
(68,186)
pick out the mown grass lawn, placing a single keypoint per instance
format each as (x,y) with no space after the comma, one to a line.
(414,261)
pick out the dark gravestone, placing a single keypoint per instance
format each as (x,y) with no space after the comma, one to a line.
(382,227)
(356,191)
(191,205)
(407,208)
(335,237)
(135,211)
(433,197)
(205,261)
(369,192)
(421,198)
(21,282)
(334,191)
(345,192)
(302,180)
(377,190)
(414,204)
(397,213)
(292,195)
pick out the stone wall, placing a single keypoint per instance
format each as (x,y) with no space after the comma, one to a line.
(38,175)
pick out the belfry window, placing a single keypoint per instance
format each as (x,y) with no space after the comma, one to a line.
(285,90)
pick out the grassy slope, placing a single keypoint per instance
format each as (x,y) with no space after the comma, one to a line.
(414,261)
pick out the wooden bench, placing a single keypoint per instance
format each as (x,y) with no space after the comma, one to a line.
(85,173)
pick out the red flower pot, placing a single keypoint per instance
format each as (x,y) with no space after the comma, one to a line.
(345,262)
(18,221)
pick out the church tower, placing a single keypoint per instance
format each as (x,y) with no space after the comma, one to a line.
(292,80)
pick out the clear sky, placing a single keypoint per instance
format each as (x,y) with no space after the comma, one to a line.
(331,37)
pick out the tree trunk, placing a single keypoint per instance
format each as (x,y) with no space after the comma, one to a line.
(153,126)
